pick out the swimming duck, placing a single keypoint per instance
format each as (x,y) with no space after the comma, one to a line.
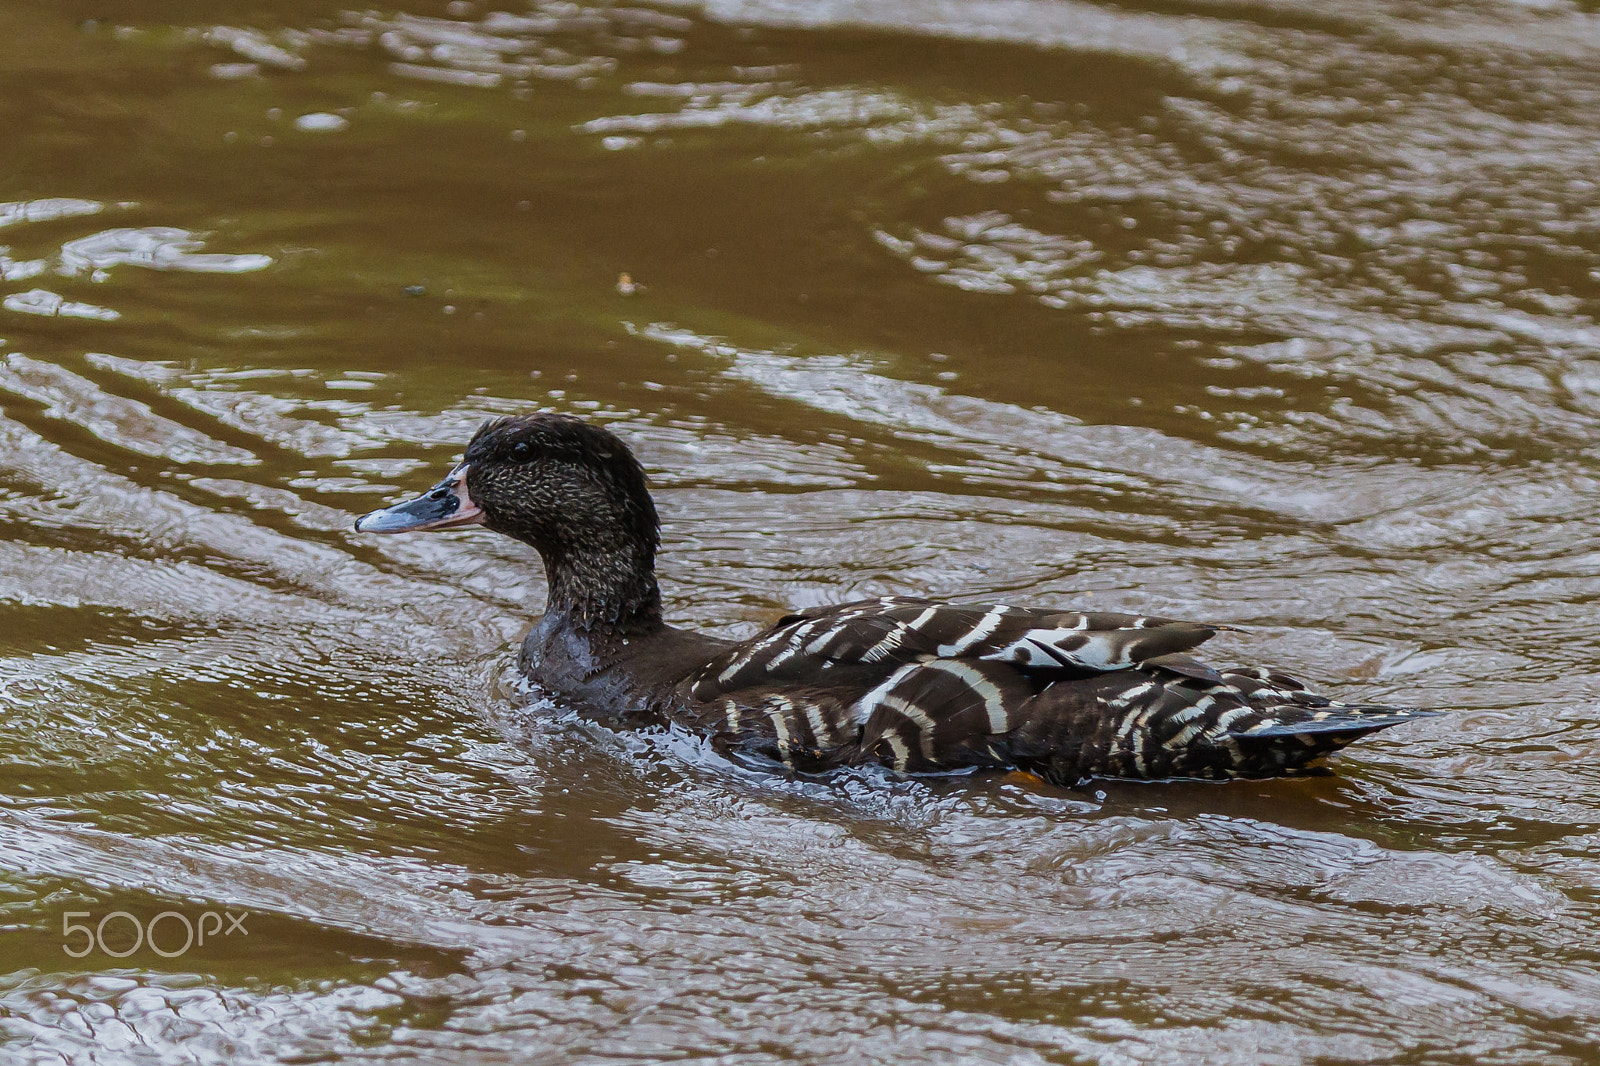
(914,684)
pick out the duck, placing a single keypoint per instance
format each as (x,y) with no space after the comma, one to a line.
(915,685)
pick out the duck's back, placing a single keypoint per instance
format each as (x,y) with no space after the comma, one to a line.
(922,686)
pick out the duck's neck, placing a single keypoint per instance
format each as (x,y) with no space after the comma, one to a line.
(609,589)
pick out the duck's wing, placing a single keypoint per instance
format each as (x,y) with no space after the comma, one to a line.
(853,642)
(939,714)
(921,686)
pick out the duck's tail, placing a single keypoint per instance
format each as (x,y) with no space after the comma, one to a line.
(1285,745)
(1160,723)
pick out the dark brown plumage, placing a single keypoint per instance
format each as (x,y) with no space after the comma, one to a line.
(912,684)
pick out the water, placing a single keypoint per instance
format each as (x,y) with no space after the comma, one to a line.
(1278,313)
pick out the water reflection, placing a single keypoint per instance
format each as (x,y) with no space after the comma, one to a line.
(1271,315)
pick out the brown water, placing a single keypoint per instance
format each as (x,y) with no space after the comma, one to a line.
(1282,313)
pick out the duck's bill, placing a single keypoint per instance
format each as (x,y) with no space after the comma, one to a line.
(445,506)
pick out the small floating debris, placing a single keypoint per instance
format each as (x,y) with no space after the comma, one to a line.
(626,286)
(321,122)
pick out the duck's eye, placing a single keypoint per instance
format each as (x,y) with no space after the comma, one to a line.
(521,451)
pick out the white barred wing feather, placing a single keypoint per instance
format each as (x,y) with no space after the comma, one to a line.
(891,632)
(941,714)
(924,716)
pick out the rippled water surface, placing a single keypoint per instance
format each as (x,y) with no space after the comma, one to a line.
(1278,313)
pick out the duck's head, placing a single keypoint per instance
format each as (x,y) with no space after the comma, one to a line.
(572,490)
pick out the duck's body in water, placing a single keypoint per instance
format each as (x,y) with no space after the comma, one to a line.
(912,684)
